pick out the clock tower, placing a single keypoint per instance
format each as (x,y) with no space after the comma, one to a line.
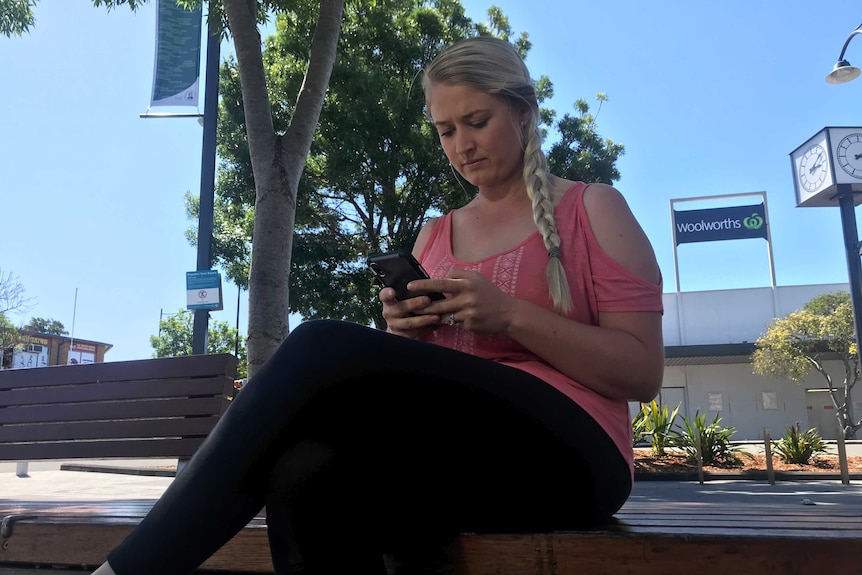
(827,165)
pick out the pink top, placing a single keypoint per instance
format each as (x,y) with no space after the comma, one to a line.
(597,284)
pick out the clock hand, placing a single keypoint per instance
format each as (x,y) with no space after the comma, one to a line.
(857,156)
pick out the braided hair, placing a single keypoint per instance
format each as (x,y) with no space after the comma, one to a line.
(493,66)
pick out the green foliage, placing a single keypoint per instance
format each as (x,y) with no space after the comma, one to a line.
(715,439)
(799,446)
(46,326)
(176,334)
(16,16)
(581,154)
(654,424)
(8,334)
(799,344)
(376,170)
(796,344)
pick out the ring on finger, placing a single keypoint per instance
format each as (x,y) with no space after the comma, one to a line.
(451,320)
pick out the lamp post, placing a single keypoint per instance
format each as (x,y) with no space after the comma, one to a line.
(842,72)
(208,167)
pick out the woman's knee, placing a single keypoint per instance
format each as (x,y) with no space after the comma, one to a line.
(297,466)
(325,338)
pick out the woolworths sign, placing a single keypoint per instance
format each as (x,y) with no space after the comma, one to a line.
(736,223)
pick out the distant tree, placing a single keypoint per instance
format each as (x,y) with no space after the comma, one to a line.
(8,341)
(175,339)
(581,154)
(47,326)
(801,342)
(11,292)
(11,298)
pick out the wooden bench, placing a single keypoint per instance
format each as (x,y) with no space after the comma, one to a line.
(164,408)
(646,538)
(132,409)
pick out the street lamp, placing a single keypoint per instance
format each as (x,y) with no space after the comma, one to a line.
(842,71)
(848,194)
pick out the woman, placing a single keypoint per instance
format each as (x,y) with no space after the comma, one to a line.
(501,408)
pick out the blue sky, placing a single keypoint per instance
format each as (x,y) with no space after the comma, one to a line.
(709,98)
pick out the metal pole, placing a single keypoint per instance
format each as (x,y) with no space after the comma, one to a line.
(207,197)
(236,340)
(854,265)
(767,453)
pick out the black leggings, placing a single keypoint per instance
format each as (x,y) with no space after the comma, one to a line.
(360,443)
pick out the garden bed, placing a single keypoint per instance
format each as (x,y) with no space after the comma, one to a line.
(675,462)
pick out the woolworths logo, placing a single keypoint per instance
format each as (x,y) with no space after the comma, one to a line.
(711,226)
(738,222)
(753,222)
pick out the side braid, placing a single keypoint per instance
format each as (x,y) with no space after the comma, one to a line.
(539,192)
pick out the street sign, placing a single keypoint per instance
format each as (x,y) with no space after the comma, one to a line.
(203,290)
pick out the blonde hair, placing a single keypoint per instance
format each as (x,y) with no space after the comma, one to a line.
(493,66)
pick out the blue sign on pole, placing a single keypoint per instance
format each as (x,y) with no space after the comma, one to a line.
(735,223)
(203,290)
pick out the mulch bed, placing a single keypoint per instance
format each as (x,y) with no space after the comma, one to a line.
(675,462)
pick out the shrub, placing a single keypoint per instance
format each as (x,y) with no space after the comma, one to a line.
(655,425)
(715,447)
(799,447)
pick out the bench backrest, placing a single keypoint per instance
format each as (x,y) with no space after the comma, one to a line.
(148,408)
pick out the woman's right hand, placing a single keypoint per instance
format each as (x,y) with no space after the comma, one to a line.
(405,318)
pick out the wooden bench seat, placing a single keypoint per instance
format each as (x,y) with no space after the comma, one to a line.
(646,538)
(131,409)
(165,408)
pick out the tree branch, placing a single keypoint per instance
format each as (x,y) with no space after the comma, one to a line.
(241,15)
(324,44)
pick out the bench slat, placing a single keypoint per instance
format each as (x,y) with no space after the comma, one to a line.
(53,544)
(46,542)
(179,427)
(108,391)
(160,368)
(644,553)
(128,449)
(141,408)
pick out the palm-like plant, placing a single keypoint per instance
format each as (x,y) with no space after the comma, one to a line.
(799,446)
(654,422)
(715,446)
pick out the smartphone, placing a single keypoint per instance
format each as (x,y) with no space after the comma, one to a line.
(396,270)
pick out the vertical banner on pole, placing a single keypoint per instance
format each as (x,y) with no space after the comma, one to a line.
(176,74)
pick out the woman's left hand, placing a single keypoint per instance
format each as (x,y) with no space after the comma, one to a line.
(477,304)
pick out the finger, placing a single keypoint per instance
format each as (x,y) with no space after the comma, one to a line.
(413,322)
(431,285)
(416,304)
(387,295)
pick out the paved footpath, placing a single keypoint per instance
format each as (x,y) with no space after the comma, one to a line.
(736,492)
(47,482)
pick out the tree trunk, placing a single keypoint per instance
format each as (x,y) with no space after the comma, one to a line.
(277,164)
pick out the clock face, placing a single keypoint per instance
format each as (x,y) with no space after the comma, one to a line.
(849,155)
(813,165)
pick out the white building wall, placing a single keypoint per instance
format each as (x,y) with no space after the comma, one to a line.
(742,399)
(741,316)
(732,316)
